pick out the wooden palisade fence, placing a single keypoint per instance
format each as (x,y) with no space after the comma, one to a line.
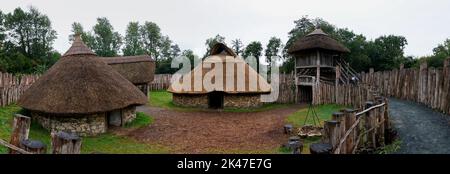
(349,130)
(160,82)
(11,87)
(427,85)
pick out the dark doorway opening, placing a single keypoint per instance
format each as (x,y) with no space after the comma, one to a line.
(114,118)
(305,94)
(215,100)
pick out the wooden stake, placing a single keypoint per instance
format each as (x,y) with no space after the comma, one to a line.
(21,129)
(65,143)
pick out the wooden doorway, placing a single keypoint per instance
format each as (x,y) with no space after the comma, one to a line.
(114,118)
(215,100)
(305,94)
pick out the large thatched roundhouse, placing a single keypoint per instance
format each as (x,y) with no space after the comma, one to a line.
(139,70)
(82,94)
(242,85)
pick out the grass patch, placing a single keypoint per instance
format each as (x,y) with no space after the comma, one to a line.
(391,148)
(163,99)
(141,120)
(323,112)
(297,119)
(105,143)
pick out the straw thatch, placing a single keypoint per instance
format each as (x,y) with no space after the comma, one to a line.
(317,40)
(222,54)
(137,69)
(80,83)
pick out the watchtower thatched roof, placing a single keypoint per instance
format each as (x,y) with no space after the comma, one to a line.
(221,54)
(80,83)
(137,69)
(317,40)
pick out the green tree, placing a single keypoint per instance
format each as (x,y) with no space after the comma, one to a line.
(386,52)
(2,30)
(273,48)
(87,37)
(151,38)
(133,40)
(237,46)
(211,42)
(107,41)
(254,49)
(31,31)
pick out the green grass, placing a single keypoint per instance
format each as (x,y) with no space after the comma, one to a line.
(297,119)
(105,143)
(163,99)
(391,148)
(141,120)
(323,112)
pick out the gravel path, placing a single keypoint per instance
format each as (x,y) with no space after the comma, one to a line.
(215,131)
(421,130)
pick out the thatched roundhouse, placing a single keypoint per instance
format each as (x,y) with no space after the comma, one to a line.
(139,70)
(82,94)
(242,85)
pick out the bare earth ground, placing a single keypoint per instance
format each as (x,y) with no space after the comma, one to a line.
(215,131)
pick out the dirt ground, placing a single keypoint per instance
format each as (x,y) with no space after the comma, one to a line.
(215,131)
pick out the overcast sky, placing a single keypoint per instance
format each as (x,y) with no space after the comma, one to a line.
(424,23)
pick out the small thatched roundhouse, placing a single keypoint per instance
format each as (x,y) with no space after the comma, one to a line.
(241,88)
(82,94)
(139,70)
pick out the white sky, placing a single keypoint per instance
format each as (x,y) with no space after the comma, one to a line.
(189,23)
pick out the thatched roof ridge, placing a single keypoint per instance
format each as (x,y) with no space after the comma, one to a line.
(78,47)
(80,84)
(317,40)
(136,69)
(127,59)
(221,48)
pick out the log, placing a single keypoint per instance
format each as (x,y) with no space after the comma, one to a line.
(369,124)
(34,146)
(350,119)
(288,129)
(332,132)
(340,117)
(320,148)
(21,129)
(65,143)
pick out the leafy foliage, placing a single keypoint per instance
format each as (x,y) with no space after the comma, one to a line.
(26,39)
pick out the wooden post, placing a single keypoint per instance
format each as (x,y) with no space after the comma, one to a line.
(320,148)
(369,124)
(21,129)
(288,129)
(34,146)
(332,132)
(65,143)
(340,117)
(380,122)
(350,119)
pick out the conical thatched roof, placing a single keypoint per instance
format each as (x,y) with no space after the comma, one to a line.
(317,40)
(80,83)
(224,55)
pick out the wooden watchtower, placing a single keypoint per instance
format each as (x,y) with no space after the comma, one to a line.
(318,59)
